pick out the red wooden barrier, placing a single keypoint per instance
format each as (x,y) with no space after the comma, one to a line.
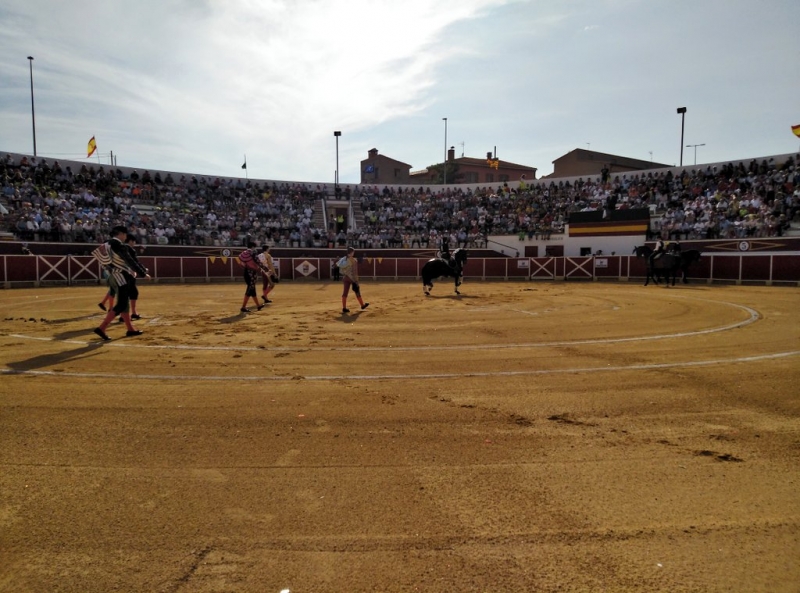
(761,267)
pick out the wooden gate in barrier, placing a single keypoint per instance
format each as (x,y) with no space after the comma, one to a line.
(761,268)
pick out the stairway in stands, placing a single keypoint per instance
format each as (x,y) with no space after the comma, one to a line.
(358,216)
(318,220)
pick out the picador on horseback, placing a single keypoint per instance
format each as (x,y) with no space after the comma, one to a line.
(658,251)
(444,264)
(444,251)
(667,262)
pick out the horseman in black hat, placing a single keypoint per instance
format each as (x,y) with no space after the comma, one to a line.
(444,251)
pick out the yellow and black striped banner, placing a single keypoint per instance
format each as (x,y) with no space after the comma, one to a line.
(601,229)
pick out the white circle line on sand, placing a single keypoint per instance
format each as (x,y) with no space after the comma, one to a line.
(636,367)
(753,316)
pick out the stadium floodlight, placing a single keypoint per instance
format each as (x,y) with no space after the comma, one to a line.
(336,135)
(33,113)
(444,165)
(682,113)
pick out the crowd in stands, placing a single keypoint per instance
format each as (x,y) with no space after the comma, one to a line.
(43,201)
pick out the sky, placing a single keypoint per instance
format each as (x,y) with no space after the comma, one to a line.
(198,86)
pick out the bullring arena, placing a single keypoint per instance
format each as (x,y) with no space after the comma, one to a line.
(546,436)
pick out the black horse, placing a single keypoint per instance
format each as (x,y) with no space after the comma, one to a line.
(689,257)
(668,264)
(437,268)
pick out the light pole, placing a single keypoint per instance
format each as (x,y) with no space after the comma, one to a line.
(336,177)
(682,111)
(444,165)
(33,113)
(695,150)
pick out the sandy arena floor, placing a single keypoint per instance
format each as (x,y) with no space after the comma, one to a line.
(521,437)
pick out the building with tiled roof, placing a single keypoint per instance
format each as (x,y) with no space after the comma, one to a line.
(379,169)
(474,170)
(589,162)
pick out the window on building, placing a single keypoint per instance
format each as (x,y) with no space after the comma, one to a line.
(489,177)
(502,177)
(471,177)
(396,173)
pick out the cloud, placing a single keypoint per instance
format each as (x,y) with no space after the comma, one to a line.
(271,78)
(192,85)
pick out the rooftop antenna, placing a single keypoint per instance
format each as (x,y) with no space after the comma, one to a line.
(462,149)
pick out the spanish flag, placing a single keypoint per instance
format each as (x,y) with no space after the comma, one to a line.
(91,148)
(796,130)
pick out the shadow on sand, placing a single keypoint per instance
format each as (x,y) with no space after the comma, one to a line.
(48,360)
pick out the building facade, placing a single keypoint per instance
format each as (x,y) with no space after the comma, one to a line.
(589,162)
(378,169)
(473,170)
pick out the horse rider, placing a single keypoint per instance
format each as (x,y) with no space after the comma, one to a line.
(444,251)
(658,251)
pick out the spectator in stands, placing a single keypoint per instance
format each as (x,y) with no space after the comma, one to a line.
(727,201)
